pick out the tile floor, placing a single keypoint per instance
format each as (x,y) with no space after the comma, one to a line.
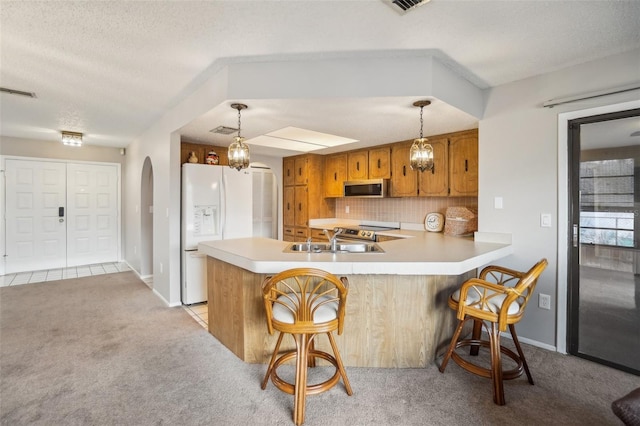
(62,273)
(198,312)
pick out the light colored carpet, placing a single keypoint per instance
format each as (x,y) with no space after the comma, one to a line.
(105,351)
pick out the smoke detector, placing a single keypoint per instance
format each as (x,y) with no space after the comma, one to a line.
(404,6)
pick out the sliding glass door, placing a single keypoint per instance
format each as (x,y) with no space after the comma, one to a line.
(604,255)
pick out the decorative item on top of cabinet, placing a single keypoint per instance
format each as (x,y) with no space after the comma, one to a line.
(335,173)
(435,182)
(379,163)
(192,157)
(463,163)
(404,180)
(186,148)
(358,165)
(212,158)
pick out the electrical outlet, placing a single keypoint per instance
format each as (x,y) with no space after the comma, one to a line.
(161,268)
(346,209)
(544,301)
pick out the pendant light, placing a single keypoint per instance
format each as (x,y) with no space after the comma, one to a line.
(238,150)
(421,153)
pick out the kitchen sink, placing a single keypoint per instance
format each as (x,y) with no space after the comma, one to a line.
(342,247)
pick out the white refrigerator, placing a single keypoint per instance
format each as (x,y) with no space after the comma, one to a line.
(216,205)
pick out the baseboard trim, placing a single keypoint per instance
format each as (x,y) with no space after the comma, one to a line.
(531,342)
(162,298)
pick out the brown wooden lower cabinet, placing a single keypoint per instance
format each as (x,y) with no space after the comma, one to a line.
(392,321)
(301,234)
(288,234)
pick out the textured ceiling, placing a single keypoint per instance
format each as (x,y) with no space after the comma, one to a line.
(110,69)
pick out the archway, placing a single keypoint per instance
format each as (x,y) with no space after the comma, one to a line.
(146,220)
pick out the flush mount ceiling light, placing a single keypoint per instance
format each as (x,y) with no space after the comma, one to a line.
(421,153)
(238,150)
(72,138)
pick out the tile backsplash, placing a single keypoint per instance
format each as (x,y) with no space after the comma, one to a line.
(409,209)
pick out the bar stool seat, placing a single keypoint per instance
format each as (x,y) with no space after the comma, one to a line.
(498,297)
(305,302)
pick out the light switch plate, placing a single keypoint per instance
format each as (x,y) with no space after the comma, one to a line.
(497,203)
(545,220)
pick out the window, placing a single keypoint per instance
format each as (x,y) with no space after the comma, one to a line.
(606,202)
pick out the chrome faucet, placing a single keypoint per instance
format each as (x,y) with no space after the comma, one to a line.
(333,238)
(309,244)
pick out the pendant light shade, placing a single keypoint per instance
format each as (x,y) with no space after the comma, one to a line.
(238,150)
(421,153)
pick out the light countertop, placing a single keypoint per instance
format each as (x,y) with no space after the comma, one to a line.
(417,253)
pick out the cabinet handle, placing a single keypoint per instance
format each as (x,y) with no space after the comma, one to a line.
(433,169)
(288,206)
(357,165)
(378,163)
(335,176)
(466,165)
(404,170)
(300,171)
(299,206)
(288,172)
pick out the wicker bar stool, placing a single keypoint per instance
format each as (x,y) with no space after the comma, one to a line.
(498,297)
(305,302)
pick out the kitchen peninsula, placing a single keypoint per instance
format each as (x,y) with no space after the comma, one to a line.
(397,314)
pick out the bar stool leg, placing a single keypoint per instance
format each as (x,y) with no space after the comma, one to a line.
(496,365)
(476,335)
(512,329)
(343,373)
(452,346)
(273,360)
(300,393)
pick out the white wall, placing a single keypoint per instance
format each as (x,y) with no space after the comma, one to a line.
(519,161)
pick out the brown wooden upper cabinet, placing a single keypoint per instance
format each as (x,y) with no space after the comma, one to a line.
(288,171)
(335,173)
(435,182)
(358,165)
(379,163)
(303,195)
(301,171)
(454,173)
(404,180)
(288,206)
(463,164)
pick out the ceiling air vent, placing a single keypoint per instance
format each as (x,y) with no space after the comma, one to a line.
(223,130)
(17,92)
(404,6)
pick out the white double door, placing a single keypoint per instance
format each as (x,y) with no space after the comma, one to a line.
(60,214)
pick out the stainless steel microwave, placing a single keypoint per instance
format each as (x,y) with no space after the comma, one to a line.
(371,188)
